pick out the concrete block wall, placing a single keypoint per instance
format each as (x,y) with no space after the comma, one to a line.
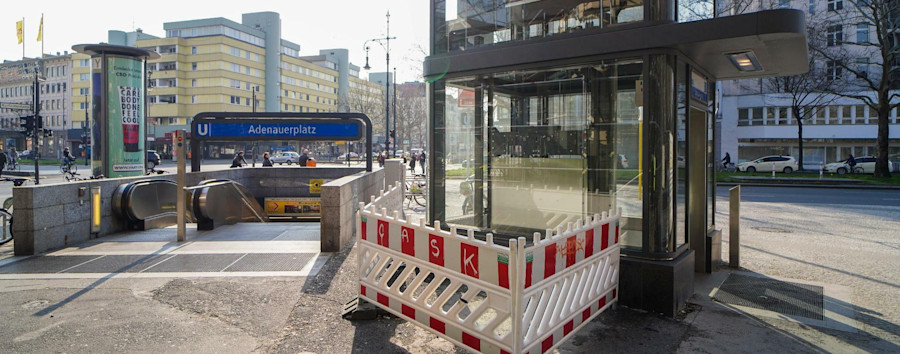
(53,216)
(340,200)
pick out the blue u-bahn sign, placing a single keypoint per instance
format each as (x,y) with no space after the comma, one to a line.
(286,129)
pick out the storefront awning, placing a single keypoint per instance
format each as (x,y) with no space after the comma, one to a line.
(776,40)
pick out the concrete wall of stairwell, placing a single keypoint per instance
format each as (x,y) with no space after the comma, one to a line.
(53,216)
(341,198)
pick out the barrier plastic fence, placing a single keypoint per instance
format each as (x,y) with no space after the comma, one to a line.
(483,296)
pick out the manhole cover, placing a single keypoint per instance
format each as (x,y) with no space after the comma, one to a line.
(772,229)
(786,298)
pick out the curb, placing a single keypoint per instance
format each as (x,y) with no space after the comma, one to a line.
(801,185)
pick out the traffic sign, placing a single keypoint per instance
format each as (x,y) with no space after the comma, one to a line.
(10,105)
(286,128)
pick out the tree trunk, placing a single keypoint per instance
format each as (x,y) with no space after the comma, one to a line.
(881,162)
(799,137)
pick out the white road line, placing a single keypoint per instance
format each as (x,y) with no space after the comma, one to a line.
(153,275)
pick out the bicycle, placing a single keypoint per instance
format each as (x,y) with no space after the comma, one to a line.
(730,167)
(7,218)
(13,165)
(66,166)
(417,190)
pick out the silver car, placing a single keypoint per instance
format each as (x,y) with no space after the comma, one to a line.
(786,164)
(287,157)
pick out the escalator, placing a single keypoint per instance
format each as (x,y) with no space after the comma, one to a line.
(150,204)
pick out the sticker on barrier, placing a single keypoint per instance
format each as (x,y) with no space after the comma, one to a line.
(521,298)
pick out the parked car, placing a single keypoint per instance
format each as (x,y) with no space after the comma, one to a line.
(152,159)
(353,155)
(27,154)
(287,157)
(786,164)
(864,164)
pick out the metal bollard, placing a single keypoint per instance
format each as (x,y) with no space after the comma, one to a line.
(734,228)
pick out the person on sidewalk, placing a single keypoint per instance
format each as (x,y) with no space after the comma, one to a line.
(303,159)
(421,159)
(3,161)
(412,163)
(266,161)
(381,159)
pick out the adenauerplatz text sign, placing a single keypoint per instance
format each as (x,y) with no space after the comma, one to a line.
(288,129)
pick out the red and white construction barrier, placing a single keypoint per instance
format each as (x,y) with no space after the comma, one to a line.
(484,296)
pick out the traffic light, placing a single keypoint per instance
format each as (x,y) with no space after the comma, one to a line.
(393,134)
(39,121)
(28,124)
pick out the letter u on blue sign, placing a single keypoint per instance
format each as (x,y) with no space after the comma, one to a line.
(203,129)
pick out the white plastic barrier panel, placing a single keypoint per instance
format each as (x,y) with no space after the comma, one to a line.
(483,296)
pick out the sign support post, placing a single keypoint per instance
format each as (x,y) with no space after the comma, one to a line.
(180,184)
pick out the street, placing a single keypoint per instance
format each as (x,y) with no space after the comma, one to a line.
(832,196)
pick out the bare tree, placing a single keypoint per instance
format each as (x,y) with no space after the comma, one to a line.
(366,99)
(411,113)
(865,69)
(807,92)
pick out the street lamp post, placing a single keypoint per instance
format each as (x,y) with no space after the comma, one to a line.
(255,144)
(386,43)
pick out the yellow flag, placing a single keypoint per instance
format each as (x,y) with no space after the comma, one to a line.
(41,30)
(20,28)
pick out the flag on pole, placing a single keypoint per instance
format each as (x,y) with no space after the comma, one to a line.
(20,30)
(41,30)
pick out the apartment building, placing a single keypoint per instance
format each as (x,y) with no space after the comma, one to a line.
(17,86)
(757,119)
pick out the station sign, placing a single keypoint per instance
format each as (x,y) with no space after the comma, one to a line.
(288,129)
(20,106)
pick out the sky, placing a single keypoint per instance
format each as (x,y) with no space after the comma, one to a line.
(314,24)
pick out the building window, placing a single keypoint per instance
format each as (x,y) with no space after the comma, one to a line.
(193,66)
(860,114)
(862,68)
(770,116)
(235,100)
(833,70)
(193,50)
(82,105)
(846,116)
(84,77)
(862,33)
(834,5)
(784,4)
(757,116)
(834,35)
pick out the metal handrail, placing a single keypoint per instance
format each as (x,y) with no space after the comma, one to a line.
(243,197)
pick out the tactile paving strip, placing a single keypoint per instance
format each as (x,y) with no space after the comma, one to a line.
(768,294)
(270,262)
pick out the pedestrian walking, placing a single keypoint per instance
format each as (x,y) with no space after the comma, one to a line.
(422,161)
(266,161)
(412,163)
(381,159)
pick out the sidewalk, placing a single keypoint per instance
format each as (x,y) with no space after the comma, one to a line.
(809,257)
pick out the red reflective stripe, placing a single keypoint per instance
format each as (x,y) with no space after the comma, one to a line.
(471,341)
(362,289)
(571,250)
(567,328)
(605,237)
(364,230)
(504,352)
(528,274)
(503,270)
(547,344)
(408,311)
(436,250)
(614,293)
(468,260)
(549,260)
(384,233)
(384,300)
(586,314)
(408,240)
(602,302)
(617,232)
(437,325)
(589,243)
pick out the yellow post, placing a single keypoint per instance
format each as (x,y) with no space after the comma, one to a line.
(640,153)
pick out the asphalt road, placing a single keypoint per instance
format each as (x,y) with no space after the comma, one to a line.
(816,195)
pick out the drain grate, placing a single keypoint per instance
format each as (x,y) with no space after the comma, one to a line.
(44,264)
(768,294)
(271,262)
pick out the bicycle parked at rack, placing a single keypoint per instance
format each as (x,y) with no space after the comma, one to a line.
(417,189)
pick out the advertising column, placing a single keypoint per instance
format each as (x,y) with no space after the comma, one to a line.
(125,116)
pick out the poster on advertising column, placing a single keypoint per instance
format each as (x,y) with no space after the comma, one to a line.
(125,117)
